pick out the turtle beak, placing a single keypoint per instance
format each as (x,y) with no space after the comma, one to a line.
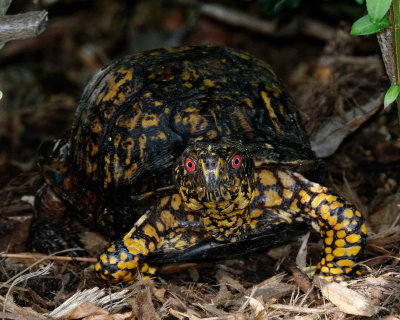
(211,167)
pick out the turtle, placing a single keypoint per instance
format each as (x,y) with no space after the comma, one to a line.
(194,152)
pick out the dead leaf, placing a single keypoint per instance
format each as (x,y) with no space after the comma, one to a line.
(85,309)
(116,316)
(346,299)
(332,132)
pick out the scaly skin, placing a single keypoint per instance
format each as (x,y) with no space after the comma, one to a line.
(229,204)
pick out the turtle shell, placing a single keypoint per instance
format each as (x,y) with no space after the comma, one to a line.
(139,113)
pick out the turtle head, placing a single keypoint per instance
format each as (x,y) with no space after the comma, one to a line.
(216,176)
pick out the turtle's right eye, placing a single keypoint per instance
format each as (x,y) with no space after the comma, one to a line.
(190,165)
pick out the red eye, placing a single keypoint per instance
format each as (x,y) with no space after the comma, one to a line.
(189,164)
(236,161)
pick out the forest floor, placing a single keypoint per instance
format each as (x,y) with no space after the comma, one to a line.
(338,82)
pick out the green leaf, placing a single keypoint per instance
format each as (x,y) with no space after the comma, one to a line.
(391,95)
(1,94)
(365,25)
(360,1)
(377,9)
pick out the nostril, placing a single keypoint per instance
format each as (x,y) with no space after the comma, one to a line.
(210,164)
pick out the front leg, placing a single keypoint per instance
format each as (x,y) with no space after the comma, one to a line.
(166,228)
(288,197)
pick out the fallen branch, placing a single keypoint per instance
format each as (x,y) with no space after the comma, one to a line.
(23,25)
(36,256)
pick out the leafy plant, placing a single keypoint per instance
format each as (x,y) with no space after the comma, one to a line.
(377,19)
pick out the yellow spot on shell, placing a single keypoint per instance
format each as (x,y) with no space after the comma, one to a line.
(248,102)
(160,136)
(293,206)
(328,250)
(316,188)
(325,216)
(112,260)
(142,147)
(212,134)
(348,213)
(129,171)
(158,103)
(305,197)
(130,265)
(340,243)
(341,234)
(181,244)
(329,257)
(164,201)
(168,219)
(121,265)
(150,120)
(271,111)
(336,270)
(97,267)
(325,211)
(341,225)
(353,238)
(176,201)
(325,269)
(208,83)
(331,198)
(160,226)
(328,241)
(335,205)
(123,256)
(363,228)
(267,178)
(339,252)
(353,251)
(150,231)
(103,258)
(345,263)
(272,198)
(332,220)
(286,179)
(287,193)
(151,246)
(317,200)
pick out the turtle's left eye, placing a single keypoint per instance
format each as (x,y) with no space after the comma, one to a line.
(189,164)
(236,161)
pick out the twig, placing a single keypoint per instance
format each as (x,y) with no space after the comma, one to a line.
(385,43)
(34,264)
(239,19)
(23,25)
(15,316)
(300,309)
(35,256)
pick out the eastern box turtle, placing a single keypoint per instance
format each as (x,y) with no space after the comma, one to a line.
(202,150)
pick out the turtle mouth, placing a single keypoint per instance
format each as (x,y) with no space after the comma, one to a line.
(214,195)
